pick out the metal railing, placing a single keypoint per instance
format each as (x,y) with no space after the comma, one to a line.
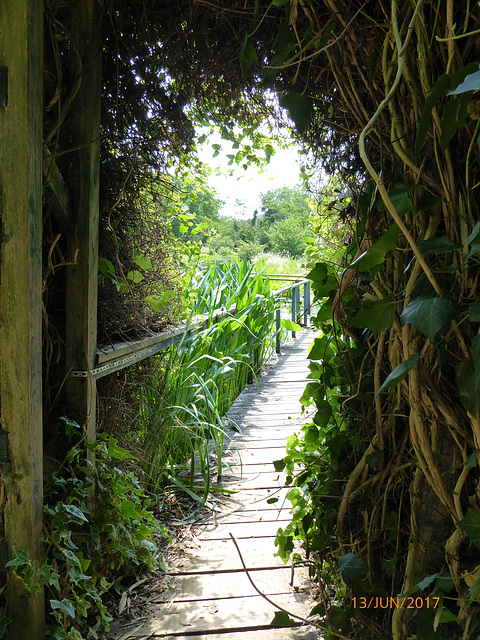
(119,356)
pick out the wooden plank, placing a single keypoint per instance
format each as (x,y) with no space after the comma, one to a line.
(21,51)
(255,457)
(242,530)
(232,584)
(219,615)
(214,555)
(295,633)
(260,514)
(82,275)
(251,498)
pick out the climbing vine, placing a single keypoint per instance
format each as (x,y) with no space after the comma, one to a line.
(389,474)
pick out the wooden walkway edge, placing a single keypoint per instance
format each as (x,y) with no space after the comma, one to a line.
(210,596)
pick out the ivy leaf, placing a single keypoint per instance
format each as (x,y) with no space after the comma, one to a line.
(438,245)
(129,510)
(156,303)
(440,88)
(474,591)
(323,413)
(399,373)
(319,273)
(471,83)
(426,582)
(65,606)
(472,460)
(474,312)
(376,316)
(135,276)
(474,234)
(447,616)
(351,568)
(471,525)
(200,227)
(429,315)
(400,199)
(453,119)
(474,249)
(284,542)
(467,386)
(76,513)
(376,254)
(118,452)
(248,54)
(284,43)
(143,262)
(475,349)
(289,325)
(281,619)
(300,109)
(320,349)
(159,303)
(374,459)
(313,391)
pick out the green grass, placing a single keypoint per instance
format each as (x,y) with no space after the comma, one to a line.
(278,265)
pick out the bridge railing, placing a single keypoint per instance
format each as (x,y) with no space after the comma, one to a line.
(113,358)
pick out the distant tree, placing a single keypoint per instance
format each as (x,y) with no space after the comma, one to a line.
(205,204)
(284,226)
(287,238)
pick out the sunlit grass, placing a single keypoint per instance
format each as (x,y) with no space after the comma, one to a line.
(274,264)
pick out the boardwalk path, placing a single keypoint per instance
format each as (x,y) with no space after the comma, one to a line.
(211,597)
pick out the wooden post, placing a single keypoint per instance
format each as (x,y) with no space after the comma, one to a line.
(306,302)
(278,329)
(21,113)
(294,308)
(82,277)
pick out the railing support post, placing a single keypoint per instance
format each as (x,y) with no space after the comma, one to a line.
(277,330)
(294,308)
(306,302)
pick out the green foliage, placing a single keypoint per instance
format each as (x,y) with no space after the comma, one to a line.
(85,552)
(430,315)
(351,568)
(399,373)
(300,109)
(202,378)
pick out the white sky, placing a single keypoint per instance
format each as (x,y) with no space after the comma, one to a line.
(247,185)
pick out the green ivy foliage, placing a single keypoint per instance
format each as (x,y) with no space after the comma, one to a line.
(87,551)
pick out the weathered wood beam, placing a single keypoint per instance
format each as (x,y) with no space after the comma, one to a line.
(82,277)
(21,111)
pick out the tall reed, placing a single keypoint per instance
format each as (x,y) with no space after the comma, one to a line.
(183,409)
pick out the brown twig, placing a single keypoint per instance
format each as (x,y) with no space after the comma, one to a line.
(277,606)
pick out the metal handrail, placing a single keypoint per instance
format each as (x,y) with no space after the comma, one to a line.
(116,357)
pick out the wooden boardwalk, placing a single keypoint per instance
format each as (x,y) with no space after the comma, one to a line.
(210,596)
